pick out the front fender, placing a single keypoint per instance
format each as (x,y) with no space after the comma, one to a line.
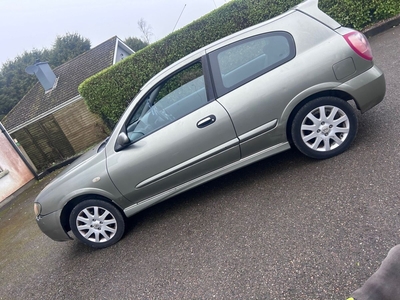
(116,198)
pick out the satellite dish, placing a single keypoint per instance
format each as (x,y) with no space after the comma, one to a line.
(31,69)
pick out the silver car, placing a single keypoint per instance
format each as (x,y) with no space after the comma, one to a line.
(282,83)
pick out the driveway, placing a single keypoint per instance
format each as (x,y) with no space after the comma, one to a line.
(285,228)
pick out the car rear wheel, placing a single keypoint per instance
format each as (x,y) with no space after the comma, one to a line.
(97,223)
(324,127)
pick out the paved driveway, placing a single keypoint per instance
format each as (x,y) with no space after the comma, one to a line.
(285,228)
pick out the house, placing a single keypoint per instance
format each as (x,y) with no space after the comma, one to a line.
(15,171)
(56,124)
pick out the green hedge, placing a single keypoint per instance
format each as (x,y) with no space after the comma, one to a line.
(109,92)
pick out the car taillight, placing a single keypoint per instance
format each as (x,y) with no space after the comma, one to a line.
(359,43)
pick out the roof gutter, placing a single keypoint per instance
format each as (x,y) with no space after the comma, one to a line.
(9,138)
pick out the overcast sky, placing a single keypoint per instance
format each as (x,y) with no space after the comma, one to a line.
(28,24)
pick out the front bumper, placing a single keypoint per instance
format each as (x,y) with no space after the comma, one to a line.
(51,226)
(367,89)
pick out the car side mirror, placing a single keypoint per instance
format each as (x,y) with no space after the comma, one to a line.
(123,139)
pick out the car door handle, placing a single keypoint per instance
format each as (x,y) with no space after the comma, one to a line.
(206,121)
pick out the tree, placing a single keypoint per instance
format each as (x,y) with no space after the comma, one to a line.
(67,47)
(15,82)
(135,44)
(146,30)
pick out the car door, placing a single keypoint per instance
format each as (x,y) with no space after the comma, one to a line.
(175,134)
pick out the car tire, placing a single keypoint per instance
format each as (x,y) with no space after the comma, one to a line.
(324,127)
(97,223)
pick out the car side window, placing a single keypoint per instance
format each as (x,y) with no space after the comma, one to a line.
(242,61)
(175,97)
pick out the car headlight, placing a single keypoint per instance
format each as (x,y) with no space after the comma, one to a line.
(37,208)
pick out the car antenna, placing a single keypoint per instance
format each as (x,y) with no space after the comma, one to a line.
(179,18)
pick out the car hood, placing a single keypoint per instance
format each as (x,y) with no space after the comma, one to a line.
(84,161)
(83,158)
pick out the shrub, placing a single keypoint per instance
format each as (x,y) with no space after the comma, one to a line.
(109,92)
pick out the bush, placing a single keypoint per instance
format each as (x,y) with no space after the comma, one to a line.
(359,14)
(109,92)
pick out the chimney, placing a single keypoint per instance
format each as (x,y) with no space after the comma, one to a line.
(44,74)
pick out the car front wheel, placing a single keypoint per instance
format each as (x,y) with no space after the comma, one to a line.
(324,127)
(97,223)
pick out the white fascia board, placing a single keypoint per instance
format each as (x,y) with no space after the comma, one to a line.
(122,45)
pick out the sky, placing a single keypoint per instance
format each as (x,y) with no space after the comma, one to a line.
(29,24)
